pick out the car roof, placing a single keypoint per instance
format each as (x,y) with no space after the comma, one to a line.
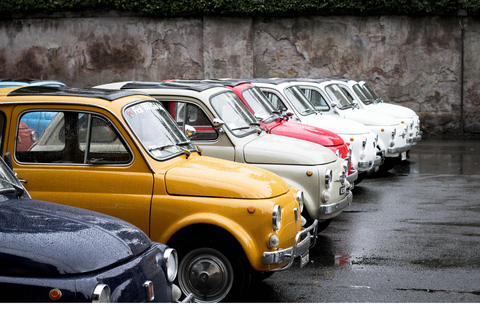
(184,85)
(104,94)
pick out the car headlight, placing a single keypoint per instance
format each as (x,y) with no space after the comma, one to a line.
(328,178)
(101,293)
(170,263)
(301,200)
(325,196)
(277,217)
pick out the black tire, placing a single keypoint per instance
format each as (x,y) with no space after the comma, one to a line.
(260,276)
(361,176)
(322,225)
(212,272)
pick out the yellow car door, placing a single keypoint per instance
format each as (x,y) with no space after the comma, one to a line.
(88,161)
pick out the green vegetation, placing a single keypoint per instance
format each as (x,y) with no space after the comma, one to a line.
(265,8)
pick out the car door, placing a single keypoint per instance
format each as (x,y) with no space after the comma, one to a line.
(81,159)
(213,142)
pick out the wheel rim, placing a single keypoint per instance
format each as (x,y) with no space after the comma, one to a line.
(207,274)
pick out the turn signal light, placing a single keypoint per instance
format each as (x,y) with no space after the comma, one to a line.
(55,294)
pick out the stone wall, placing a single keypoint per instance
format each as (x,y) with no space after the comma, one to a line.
(411,61)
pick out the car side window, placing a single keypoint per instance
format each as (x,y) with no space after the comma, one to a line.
(316,98)
(70,137)
(190,114)
(277,103)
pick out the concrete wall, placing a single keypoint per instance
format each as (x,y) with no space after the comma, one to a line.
(411,61)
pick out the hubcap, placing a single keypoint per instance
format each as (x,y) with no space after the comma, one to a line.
(207,274)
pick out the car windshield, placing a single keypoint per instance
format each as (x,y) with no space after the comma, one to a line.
(156,130)
(8,182)
(363,95)
(235,114)
(337,95)
(299,101)
(375,97)
(261,106)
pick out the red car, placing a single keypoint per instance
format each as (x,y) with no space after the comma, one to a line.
(275,123)
(25,137)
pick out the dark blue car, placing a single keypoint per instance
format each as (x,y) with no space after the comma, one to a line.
(52,252)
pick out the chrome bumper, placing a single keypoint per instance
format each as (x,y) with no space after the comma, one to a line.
(353,176)
(337,206)
(300,247)
(394,150)
(417,138)
(364,165)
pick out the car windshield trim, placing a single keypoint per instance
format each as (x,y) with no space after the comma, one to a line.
(157,132)
(299,101)
(336,94)
(238,119)
(259,103)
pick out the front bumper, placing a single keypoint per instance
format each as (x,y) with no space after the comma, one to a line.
(365,165)
(353,176)
(304,240)
(337,206)
(395,150)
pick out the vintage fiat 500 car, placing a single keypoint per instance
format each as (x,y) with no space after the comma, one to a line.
(55,253)
(120,153)
(287,98)
(226,129)
(275,123)
(369,100)
(392,134)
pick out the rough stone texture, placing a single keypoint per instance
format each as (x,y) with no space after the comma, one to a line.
(414,62)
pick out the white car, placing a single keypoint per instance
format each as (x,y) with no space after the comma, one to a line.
(392,134)
(286,96)
(217,120)
(368,100)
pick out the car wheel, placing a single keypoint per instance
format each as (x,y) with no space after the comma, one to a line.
(322,225)
(361,176)
(212,274)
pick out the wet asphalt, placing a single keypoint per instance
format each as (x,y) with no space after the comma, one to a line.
(411,235)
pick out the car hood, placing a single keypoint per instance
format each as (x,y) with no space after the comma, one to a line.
(212,177)
(393,110)
(275,149)
(309,133)
(370,118)
(46,239)
(336,124)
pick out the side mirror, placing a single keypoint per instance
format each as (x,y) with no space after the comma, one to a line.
(190,131)
(218,123)
(334,105)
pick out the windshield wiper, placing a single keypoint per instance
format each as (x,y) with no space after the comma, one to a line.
(151,148)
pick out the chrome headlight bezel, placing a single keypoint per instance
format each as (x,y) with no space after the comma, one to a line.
(277,217)
(170,263)
(101,293)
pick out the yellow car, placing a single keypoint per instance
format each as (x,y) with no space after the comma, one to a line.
(120,153)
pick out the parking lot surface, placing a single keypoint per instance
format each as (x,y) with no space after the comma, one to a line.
(411,235)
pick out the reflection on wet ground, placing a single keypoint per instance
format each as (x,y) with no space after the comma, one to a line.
(443,157)
(410,231)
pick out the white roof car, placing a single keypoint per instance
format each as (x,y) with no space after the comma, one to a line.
(392,134)
(285,95)
(367,99)
(218,121)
